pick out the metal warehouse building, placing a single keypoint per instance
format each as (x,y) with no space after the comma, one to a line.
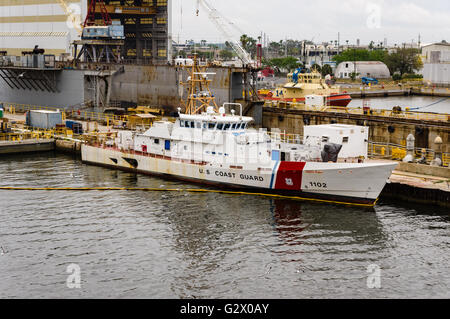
(436,68)
(372,69)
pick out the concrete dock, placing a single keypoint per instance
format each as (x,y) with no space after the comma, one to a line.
(357,91)
(419,189)
(27,146)
(417,183)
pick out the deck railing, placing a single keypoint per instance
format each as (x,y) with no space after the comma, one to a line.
(398,152)
(404,114)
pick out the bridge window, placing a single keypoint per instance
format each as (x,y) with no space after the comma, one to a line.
(233,126)
(211,126)
(220,126)
(227,127)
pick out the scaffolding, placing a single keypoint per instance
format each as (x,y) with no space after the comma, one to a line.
(146,24)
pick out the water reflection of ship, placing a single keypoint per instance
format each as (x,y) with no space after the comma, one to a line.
(297,221)
(287,216)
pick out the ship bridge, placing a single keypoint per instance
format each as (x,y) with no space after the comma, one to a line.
(214,122)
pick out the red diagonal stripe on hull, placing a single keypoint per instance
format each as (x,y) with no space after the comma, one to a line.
(289,176)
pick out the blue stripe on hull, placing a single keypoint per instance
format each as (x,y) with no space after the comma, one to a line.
(275,169)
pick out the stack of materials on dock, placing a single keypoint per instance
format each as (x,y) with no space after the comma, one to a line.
(5,126)
(76,127)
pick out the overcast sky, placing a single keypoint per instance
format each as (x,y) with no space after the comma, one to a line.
(397,20)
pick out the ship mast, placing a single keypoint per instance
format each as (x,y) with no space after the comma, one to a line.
(199,95)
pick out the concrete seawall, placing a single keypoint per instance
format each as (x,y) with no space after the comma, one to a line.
(68,146)
(418,195)
(421,169)
(26,146)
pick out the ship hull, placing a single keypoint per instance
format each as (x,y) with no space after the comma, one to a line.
(342,100)
(353,184)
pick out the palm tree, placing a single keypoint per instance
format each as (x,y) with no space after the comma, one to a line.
(244,41)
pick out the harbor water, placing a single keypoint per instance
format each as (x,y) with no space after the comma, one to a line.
(205,245)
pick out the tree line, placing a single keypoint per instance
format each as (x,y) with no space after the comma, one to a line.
(286,55)
(400,61)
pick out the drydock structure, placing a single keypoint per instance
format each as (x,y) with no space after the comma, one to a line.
(55,25)
(101,85)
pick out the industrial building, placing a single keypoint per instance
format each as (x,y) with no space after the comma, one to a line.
(139,75)
(54,24)
(371,69)
(436,67)
(147,28)
(46,23)
(436,53)
(320,54)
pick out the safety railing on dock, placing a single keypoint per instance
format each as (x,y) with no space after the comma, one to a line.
(115,121)
(27,134)
(404,114)
(108,119)
(391,113)
(398,152)
(74,114)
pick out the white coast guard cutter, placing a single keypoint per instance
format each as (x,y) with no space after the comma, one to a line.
(219,148)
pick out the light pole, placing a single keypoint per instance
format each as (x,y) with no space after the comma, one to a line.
(354,62)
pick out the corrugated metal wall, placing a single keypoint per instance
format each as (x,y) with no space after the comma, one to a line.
(69,84)
(158,86)
(437,73)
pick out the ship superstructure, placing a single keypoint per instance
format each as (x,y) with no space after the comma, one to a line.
(300,85)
